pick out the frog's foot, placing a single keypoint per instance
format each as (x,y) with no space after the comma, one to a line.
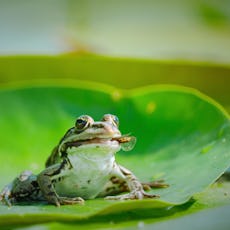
(69,201)
(5,195)
(154,184)
(134,195)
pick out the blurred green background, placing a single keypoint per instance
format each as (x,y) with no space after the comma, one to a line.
(124,43)
(177,29)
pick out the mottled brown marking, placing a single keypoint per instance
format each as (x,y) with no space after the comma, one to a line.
(115,180)
(110,189)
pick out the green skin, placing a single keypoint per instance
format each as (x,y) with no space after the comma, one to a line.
(82,166)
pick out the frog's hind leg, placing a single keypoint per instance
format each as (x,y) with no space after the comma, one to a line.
(135,188)
(114,186)
(118,185)
(23,188)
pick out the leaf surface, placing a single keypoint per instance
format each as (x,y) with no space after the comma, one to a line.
(182,137)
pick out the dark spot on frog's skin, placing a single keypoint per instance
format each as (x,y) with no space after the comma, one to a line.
(110,189)
(51,194)
(115,180)
(49,186)
(88,181)
(62,166)
(35,184)
(98,126)
(36,192)
(114,165)
(123,185)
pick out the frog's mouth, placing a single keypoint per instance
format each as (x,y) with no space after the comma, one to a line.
(120,139)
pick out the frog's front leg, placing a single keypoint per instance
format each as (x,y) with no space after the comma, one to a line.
(46,183)
(135,187)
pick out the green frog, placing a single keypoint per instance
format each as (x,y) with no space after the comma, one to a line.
(82,166)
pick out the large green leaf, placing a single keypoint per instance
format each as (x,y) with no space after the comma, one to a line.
(211,79)
(183,137)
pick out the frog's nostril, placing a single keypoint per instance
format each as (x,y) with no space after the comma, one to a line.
(98,125)
(103,126)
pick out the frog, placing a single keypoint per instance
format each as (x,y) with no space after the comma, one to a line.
(81,167)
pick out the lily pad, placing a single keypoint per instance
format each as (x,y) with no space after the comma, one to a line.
(183,137)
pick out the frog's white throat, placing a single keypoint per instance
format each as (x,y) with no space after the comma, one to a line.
(94,151)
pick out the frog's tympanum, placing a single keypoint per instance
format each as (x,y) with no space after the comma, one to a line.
(82,166)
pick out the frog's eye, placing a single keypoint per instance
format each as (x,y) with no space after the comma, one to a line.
(116,120)
(80,123)
(111,118)
(83,122)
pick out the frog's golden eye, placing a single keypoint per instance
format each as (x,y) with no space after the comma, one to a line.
(83,122)
(111,118)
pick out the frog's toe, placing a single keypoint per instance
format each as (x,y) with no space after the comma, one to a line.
(147,195)
(5,196)
(134,195)
(7,201)
(155,184)
(68,200)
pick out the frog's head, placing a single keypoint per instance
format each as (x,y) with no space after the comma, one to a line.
(104,134)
